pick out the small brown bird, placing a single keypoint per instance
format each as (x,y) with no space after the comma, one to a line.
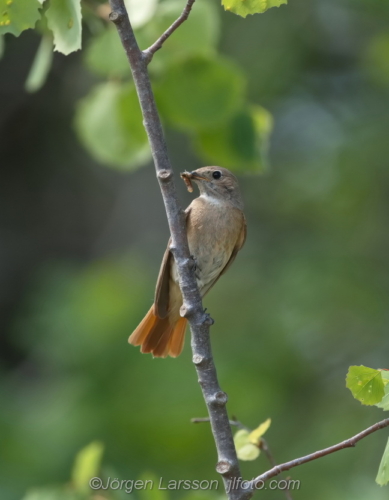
(216,229)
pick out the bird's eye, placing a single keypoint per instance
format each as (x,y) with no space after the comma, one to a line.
(217,174)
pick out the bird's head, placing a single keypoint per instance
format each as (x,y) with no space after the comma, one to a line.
(216,183)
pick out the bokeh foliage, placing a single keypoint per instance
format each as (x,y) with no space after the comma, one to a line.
(306,298)
(197,91)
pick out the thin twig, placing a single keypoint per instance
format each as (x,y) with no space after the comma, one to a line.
(348,443)
(149,53)
(199,321)
(232,422)
(264,446)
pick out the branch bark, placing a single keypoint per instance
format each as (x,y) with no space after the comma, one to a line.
(348,443)
(199,321)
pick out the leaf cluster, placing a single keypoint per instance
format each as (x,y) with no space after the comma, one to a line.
(199,93)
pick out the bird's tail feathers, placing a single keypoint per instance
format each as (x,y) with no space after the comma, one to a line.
(160,336)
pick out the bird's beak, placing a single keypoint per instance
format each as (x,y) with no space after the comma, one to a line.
(188,177)
(193,176)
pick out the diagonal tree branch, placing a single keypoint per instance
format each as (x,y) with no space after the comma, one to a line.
(149,53)
(348,443)
(200,322)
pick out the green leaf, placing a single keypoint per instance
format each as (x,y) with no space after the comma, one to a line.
(64,20)
(383,472)
(41,65)
(105,55)
(384,403)
(241,143)
(109,124)
(245,449)
(248,452)
(246,7)
(87,465)
(198,35)
(140,11)
(18,15)
(241,438)
(256,434)
(200,92)
(365,384)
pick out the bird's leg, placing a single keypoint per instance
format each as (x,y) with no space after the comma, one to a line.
(195,267)
(193,263)
(208,318)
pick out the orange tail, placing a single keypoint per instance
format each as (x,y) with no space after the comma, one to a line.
(159,336)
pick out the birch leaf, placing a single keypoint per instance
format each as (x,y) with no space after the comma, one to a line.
(18,15)
(256,434)
(365,384)
(246,7)
(64,20)
(383,472)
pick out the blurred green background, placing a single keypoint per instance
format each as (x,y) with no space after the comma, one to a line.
(307,297)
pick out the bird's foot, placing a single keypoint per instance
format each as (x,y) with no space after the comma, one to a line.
(207,319)
(193,263)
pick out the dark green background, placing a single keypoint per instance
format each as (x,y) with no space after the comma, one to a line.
(306,298)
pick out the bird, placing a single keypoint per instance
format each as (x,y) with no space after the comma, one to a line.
(216,230)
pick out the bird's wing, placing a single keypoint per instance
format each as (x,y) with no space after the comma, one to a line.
(161,298)
(162,289)
(239,244)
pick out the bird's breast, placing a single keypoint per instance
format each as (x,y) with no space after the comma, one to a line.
(213,230)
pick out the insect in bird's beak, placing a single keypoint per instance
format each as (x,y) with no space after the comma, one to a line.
(186,177)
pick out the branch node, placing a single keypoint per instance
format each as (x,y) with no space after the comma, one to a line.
(186,310)
(114,16)
(164,175)
(220,398)
(147,56)
(198,359)
(224,467)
